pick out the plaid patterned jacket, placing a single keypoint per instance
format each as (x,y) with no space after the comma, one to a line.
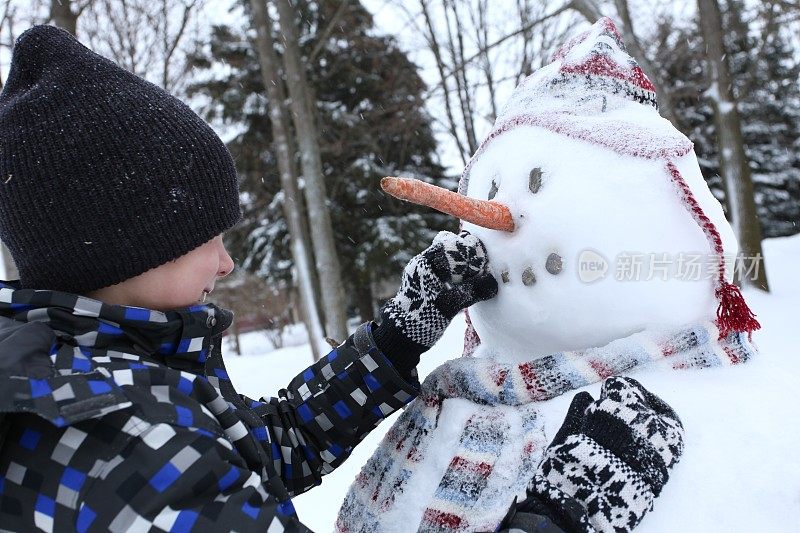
(120,418)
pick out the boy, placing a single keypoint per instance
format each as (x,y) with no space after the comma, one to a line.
(117,410)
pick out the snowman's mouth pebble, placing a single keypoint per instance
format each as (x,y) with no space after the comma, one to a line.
(553,265)
(528,277)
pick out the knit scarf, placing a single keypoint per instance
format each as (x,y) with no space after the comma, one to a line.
(461,452)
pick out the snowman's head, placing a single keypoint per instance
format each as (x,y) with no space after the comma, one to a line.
(608,202)
(602,247)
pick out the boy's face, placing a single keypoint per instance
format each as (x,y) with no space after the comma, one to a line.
(178,283)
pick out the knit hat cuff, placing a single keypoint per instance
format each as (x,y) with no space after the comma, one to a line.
(130,258)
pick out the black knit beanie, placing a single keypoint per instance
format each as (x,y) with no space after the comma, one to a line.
(103,175)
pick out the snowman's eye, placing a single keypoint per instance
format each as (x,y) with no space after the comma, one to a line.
(492,190)
(535,180)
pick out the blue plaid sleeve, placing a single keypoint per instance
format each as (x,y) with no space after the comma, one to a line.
(330,407)
(174,478)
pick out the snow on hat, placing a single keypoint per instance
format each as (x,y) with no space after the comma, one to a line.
(594,91)
(104,175)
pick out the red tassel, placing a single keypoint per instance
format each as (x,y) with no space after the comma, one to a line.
(733,314)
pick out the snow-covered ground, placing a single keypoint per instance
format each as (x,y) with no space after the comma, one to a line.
(741,468)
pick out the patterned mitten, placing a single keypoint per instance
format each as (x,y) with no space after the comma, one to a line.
(450,275)
(607,464)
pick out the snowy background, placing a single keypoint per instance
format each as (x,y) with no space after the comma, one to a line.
(741,469)
(748,480)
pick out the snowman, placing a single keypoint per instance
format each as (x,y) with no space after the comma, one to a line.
(612,257)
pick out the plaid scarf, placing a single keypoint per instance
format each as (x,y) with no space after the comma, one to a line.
(462,475)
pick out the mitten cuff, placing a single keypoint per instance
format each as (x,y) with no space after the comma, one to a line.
(548,506)
(616,436)
(401,351)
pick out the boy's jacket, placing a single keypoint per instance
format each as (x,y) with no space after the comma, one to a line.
(123,418)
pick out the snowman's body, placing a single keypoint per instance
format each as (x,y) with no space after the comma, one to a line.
(470,443)
(706,492)
(733,461)
(739,471)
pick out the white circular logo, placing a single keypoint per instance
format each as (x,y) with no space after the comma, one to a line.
(592,266)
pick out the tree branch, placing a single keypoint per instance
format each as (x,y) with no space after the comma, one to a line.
(664,98)
(498,42)
(322,40)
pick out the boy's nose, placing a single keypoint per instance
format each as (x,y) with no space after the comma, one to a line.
(226,264)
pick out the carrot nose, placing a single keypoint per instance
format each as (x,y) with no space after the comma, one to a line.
(484,213)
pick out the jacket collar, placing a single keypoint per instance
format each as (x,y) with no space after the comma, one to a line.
(181,336)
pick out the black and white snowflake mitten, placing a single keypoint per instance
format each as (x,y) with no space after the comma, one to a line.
(450,275)
(607,464)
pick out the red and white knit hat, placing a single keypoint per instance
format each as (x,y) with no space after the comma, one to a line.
(594,91)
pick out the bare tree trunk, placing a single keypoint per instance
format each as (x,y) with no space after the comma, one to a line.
(328,267)
(433,44)
(7,19)
(734,166)
(237,347)
(482,40)
(62,15)
(169,43)
(523,10)
(364,299)
(292,203)
(455,45)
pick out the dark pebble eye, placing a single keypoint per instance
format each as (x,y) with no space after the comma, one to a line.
(535,180)
(492,191)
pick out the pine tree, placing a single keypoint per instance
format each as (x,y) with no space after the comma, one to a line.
(772,137)
(768,92)
(372,124)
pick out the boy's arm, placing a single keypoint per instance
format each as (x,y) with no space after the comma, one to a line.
(326,410)
(331,406)
(182,478)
